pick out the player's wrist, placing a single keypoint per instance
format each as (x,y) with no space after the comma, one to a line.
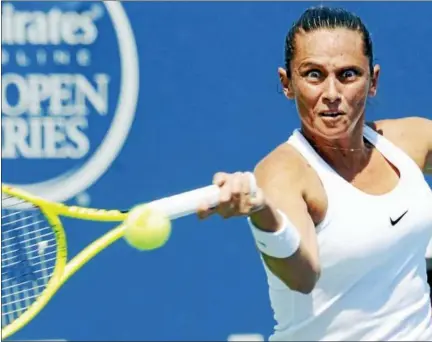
(282,240)
(266,218)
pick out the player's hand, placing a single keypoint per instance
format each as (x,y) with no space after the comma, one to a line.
(239,196)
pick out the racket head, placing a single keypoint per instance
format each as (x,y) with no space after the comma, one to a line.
(34,257)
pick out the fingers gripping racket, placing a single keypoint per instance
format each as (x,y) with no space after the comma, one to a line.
(34,248)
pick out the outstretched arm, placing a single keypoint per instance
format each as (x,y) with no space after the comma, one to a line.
(283,185)
(281,224)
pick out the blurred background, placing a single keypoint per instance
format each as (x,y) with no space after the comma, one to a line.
(108,104)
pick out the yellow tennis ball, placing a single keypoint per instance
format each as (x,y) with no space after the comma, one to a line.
(146,228)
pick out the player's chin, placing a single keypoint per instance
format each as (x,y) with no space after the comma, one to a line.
(335,128)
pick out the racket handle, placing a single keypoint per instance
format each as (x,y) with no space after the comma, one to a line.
(187,202)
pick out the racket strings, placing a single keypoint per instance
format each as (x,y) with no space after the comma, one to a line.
(28,256)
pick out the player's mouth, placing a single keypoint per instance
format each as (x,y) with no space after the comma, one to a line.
(331,114)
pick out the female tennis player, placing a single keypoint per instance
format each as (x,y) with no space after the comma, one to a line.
(343,214)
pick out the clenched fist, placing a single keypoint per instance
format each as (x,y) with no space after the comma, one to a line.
(239,196)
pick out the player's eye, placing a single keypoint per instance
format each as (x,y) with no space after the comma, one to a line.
(313,74)
(349,74)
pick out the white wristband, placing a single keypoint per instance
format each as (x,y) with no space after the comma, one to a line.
(281,244)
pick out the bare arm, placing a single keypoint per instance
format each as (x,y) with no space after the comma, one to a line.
(428,134)
(414,136)
(421,131)
(282,184)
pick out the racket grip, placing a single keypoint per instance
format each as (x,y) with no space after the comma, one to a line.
(187,203)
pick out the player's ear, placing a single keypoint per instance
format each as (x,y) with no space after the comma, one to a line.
(373,87)
(286,83)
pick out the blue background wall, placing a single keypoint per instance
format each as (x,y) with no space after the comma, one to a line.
(208,101)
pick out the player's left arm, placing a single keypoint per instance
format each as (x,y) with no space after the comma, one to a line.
(428,167)
(425,131)
(414,135)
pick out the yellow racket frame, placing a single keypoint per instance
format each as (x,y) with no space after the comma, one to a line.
(63,269)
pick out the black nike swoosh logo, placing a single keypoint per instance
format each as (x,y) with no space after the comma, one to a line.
(395,222)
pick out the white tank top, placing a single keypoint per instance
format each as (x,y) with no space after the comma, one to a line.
(373,284)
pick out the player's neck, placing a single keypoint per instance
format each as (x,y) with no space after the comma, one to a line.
(345,155)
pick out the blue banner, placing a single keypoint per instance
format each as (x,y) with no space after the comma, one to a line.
(110,104)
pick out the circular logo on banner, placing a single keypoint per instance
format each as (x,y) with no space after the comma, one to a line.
(69,92)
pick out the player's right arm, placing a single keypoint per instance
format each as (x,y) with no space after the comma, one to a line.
(282,177)
(282,180)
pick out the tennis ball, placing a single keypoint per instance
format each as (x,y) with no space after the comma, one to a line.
(146,228)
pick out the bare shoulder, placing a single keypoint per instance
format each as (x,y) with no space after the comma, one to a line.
(283,164)
(290,181)
(412,134)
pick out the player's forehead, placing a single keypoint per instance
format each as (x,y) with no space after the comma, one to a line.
(330,46)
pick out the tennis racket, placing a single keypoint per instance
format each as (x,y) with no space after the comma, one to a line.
(34,248)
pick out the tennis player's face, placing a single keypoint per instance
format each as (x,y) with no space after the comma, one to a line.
(330,81)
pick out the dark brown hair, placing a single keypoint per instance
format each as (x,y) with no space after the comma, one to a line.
(323,17)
